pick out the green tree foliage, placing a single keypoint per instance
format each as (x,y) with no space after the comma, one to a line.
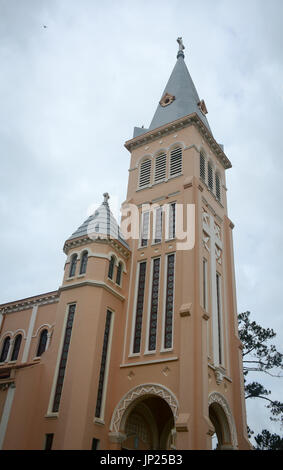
(268,441)
(259,356)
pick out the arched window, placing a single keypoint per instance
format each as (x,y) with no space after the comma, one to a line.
(73,265)
(5,349)
(42,343)
(84,262)
(16,348)
(218,186)
(210,176)
(202,166)
(176,161)
(111,267)
(119,273)
(145,173)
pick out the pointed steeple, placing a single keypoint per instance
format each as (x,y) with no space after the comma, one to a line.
(180,96)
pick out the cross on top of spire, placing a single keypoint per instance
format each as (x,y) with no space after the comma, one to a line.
(106,197)
(181,48)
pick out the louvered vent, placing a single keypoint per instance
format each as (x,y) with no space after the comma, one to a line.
(217,187)
(145,170)
(202,166)
(160,168)
(210,176)
(176,162)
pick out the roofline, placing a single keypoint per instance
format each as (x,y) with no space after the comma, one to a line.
(28,302)
(190,119)
(83,240)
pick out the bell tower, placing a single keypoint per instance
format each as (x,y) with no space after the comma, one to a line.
(181,354)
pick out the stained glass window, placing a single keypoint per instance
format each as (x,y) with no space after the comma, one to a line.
(172,220)
(145,229)
(42,343)
(169,306)
(158,224)
(73,265)
(103,364)
(84,262)
(119,274)
(16,349)
(5,349)
(111,267)
(64,356)
(154,305)
(139,308)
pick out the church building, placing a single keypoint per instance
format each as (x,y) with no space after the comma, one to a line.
(138,348)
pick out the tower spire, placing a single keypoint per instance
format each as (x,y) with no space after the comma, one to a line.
(181,48)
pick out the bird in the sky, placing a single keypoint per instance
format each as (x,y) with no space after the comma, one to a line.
(44,26)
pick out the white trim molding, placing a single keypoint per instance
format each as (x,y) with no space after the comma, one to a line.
(6,413)
(216,397)
(121,411)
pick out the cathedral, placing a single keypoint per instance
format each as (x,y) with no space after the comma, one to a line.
(138,348)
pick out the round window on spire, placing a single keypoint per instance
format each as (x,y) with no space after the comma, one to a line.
(166,100)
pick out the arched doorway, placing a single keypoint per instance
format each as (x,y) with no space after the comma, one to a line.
(148,425)
(145,417)
(222,420)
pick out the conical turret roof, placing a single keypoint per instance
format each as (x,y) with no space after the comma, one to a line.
(101,224)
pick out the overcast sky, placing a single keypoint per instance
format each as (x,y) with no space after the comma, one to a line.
(70,95)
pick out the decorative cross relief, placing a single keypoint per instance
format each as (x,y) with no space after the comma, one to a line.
(212,242)
(205,236)
(208,222)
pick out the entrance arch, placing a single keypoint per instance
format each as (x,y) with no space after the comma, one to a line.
(221,417)
(145,418)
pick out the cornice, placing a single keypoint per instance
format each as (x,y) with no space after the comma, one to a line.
(93,284)
(30,302)
(190,119)
(81,241)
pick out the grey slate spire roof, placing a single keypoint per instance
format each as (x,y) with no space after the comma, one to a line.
(101,224)
(186,100)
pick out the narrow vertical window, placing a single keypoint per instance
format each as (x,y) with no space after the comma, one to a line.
(154,305)
(172,221)
(217,187)
(111,267)
(204,283)
(158,225)
(42,343)
(64,356)
(139,307)
(95,444)
(145,171)
(16,348)
(103,364)
(48,441)
(119,274)
(5,349)
(84,262)
(169,303)
(73,265)
(210,176)
(144,228)
(202,166)
(160,168)
(176,162)
(218,296)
